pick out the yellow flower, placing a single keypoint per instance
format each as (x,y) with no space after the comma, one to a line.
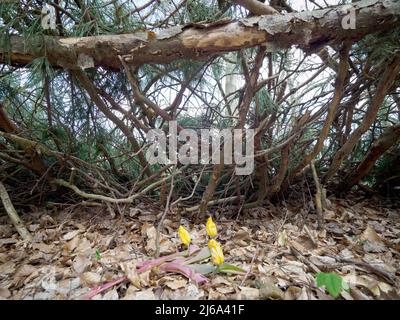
(184,235)
(212,244)
(211,228)
(217,256)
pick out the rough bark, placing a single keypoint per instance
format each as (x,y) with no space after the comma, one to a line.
(388,138)
(308,30)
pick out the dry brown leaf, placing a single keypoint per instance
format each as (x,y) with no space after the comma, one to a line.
(84,246)
(268,289)
(225,289)
(90,278)
(248,293)
(71,245)
(70,235)
(46,248)
(80,263)
(370,235)
(26,272)
(215,295)
(6,231)
(374,246)
(145,278)
(129,268)
(5,293)
(110,295)
(220,280)
(303,294)
(7,268)
(130,292)
(67,286)
(176,284)
(147,294)
(292,293)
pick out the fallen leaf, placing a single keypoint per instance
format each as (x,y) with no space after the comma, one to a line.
(70,235)
(7,268)
(45,248)
(176,284)
(292,293)
(140,295)
(90,278)
(268,289)
(27,271)
(248,293)
(72,244)
(5,293)
(370,235)
(373,246)
(110,295)
(282,238)
(129,268)
(81,262)
(84,246)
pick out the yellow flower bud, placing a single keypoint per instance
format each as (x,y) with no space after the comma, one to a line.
(212,244)
(211,228)
(217,254)
(184,235)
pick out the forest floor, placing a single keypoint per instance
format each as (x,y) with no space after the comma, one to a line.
(76,249)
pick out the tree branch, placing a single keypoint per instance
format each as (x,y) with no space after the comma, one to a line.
(308,30)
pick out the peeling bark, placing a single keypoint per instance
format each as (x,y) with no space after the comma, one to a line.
(308,30)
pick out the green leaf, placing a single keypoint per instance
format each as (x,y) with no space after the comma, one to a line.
(203,254)
(228,268)
(98,255)
(203,268)
(333,283)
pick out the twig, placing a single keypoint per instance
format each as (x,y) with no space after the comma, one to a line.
(251,266)
(171,189)
(318,194)
(15,219)
(387,276)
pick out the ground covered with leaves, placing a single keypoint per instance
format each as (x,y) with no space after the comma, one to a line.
(77,250)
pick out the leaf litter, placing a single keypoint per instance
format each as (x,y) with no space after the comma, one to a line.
(281,250)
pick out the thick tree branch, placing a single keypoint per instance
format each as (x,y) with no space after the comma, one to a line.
(308,30)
